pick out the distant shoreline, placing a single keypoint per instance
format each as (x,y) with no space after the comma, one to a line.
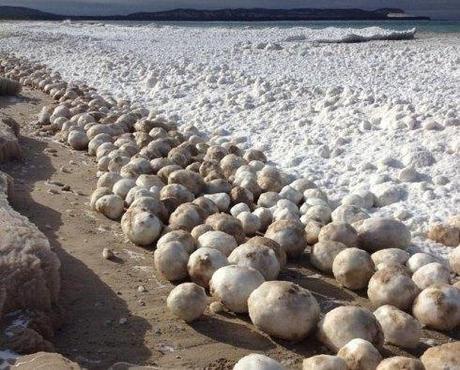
(223,15)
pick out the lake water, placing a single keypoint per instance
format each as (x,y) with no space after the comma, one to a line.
(422,26)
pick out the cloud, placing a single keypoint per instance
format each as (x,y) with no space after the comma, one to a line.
(434,8)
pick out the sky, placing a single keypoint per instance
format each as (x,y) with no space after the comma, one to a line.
(438,9)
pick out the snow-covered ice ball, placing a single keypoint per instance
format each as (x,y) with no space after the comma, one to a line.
(104,150)
(285,214)
(420,157)
(454,260)
(390,256)
(111,206)
(418,260)
(400,362)
(217,186)
(342,324)
(265,217)
(289,235)
(283,309)
(103,163)
(254,155)
(288,205)
(96,141)
(230,163)
(199,230)
(187,301)
(136,193)
(171,261)
(256,361)
(206,205)
(177,193)
(353,268)
(448,235)
(291,194)
(239,194)
(302,184)
(375,234)
(339,232)
(269,179)
(136,167)
(108,180)
(256,165)
(432,273)
(438,307)
(367,196)
(147,181)
(388,193)
(152,205)
(233,284)
(408,174)
(353,200)
(117,163)
(203,263)
(238,208)
(268,199)
(186,217)
(312,230)
(259,257)
(141,228)
(319,213)
(181,236)
(399,328)
(61,111)
(323,253)
(314,193)
(392,286)
(98,193)
(250,222)
(222,200)
(349,214)
(78,139)
(324,362)
(359,354)
(219,240)
(123,186)
(280,253)
(228,224)
(443,357)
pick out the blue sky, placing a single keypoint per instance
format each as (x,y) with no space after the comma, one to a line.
(434,8)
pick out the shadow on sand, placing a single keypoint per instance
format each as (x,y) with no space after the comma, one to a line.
(86,301)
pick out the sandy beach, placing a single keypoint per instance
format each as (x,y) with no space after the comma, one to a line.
(380,115)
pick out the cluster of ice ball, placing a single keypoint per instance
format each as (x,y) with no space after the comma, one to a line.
(204,197)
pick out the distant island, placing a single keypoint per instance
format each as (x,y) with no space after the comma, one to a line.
(242,15)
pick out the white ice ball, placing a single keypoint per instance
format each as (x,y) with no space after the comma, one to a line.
(399,328)
(187,301)
(256,361)
(233,284)
(283,309)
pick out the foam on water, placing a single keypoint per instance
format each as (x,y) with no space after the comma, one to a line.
(348,115)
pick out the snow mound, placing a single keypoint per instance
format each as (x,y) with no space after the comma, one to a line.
(351,35)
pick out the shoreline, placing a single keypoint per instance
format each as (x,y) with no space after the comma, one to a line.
(289,275)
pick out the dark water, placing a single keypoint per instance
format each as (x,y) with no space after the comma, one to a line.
(422,26)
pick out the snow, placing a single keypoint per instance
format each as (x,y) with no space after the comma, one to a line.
(350,116)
